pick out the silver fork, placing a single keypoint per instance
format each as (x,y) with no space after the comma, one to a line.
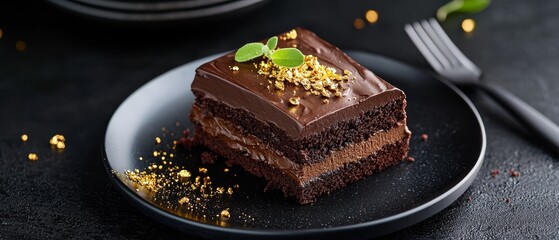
(449,62)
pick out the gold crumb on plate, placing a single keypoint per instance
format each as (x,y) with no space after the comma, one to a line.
(225,214)
(184,200)
(158,140)
(24,137)
(184,174)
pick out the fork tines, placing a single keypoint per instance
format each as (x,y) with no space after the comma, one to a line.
(436,46)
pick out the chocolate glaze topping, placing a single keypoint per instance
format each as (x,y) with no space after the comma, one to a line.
(248,90)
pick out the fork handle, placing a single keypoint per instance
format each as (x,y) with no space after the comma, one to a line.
(537,123)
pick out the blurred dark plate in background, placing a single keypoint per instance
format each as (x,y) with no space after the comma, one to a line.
(141,11)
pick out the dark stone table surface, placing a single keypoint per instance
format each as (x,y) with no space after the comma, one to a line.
(74,73)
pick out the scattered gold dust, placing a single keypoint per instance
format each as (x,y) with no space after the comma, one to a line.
(294,101)
(158,140)
(184,200)
(225,214)
(289,35)
(226,170)
(155,153)
(33,157)
(141,158)
(184,174)
(60,145)
(468,25)
(358,23)
(314,77)
(185,190)
(24,137)
(235,68)
(371,16)
(325,101)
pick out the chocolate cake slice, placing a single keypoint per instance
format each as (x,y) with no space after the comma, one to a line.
(307,130)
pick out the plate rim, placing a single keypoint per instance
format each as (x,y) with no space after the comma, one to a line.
(425,210)
(138,17)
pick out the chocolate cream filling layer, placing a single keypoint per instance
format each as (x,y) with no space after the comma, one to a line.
(230,134)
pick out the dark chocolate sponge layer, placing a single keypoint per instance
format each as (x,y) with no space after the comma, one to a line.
(312,148)
(389,155)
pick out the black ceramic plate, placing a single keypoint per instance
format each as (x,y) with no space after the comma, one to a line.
(393,199)
(154,11)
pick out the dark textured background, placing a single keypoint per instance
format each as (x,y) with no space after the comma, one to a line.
(74,74)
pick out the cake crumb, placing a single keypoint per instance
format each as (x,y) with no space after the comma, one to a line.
(410,159)
(24,137)
(424,137)
(33,157)
(208,157)
(495,172)
(230,191)
(187,141)
(203,170)
(514,173)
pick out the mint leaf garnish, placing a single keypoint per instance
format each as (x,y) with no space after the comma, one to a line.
(285,57)
(272,43)
(288,57)
(464,6)
(249,51)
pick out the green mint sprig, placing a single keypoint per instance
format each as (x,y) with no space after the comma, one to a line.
(464,6)
(285,57)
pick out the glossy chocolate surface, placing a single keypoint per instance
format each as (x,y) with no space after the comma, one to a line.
(248,90)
